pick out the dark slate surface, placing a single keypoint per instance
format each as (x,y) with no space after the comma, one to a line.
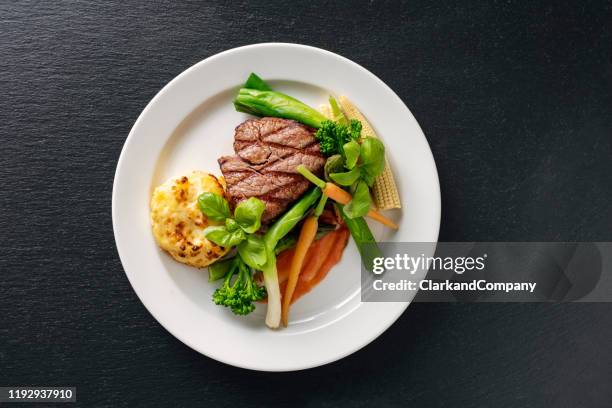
(515,100)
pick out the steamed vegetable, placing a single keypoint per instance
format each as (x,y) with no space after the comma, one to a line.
(275,233)
(237,294)
(238,231)
(322,255)
(363,161)
(366,244)
(342,197)
(384,189)
(290,240)
(332,136)
(307,236)
(255,82)
(271,103)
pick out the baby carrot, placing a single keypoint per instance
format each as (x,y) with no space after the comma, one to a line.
(341,196)
(307,236)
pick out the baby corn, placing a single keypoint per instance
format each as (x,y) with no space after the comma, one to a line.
(384,190)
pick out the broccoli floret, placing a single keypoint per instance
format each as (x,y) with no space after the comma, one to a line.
(333,135)
(239,295)
(354,130)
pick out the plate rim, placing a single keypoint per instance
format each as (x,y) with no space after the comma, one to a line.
(121,163)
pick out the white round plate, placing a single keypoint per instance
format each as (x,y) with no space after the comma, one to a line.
(187,126)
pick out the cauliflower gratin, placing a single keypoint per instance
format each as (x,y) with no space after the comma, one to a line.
(178,224)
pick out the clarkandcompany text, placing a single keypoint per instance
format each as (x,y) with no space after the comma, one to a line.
(448,285)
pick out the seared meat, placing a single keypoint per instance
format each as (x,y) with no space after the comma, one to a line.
(268,151)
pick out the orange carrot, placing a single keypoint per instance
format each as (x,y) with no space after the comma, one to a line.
(340,238)
(376,216)
(337,194)
(343,197)
(307,235)
(283,260)
(333,257)
(317,255)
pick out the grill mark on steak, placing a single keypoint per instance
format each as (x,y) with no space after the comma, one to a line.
(267,152)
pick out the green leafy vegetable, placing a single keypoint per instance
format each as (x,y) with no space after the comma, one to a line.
(351,150)
(366,244)
(372,157)
(346,178)
(246,221)
(270,103)
(213,206)
(248,214)
(255,82)
(240,294)
(218,270)
(360,204)
(253,251)
(231,224)
(220,235)
(334,164)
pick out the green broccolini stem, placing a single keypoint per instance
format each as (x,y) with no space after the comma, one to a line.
(310,176)
(337,112)
(275,233)
(320,206)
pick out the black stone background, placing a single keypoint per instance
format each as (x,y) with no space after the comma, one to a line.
(514,97)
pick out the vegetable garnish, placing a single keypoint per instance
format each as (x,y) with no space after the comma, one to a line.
(384,189)
(238,231)
(240,294)
(321,256)
(275,233)
(307,236)
(363,159)
(255,82)
(366,244)
(343,197)
(290,241)
(276,104)
(332,136)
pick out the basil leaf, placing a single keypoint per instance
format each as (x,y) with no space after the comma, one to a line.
(360,204)
(372,157)
(351,153)
(222,237)
(214,206)
(346,178)
(248,214)
(231,225)
(253,251)
(367,177)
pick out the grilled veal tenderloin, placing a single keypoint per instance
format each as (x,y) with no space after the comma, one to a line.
(267,152)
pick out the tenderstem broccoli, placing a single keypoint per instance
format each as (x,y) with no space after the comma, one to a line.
(239,293)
